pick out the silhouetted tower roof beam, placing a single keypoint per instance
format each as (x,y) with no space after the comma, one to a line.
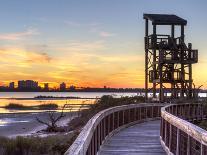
(163,19)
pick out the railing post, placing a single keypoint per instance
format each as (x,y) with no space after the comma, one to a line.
(161,127)
(95,141)
(109,120)
(113,121)
(188,146)
(101,132)
(140,113)
(123,117)
(165,132)
(176,110)
(92,146)
(178,142)
(194,112)
(99,137)
(202,150)
(170,137)
(202,112)
(152,112)
(135,112)
(188,111)
(104,131)
(118,119)
(89,149)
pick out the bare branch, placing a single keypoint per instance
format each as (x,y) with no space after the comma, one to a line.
(53,119)
(40,121)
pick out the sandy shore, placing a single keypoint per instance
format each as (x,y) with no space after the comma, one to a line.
(12,125)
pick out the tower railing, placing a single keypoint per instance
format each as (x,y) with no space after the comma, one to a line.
(157,39)
(179,136)
(173,44)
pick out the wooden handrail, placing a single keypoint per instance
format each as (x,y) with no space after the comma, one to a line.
(178,135)
(106,122)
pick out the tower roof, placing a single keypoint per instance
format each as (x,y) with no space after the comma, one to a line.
(165,19)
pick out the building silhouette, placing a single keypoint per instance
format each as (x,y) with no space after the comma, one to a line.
(63,86)
(46,86)
(11,85)
(72,88)
(27,85)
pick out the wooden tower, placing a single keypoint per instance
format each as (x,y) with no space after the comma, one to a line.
(168,60)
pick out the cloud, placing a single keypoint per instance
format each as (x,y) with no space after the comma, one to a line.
(19,35)
(78,24)
(72,23)
(93,27)
(80,46)
(20,57)
(106,34)
(34,57)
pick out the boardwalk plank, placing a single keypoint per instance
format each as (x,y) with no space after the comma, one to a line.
(141,139)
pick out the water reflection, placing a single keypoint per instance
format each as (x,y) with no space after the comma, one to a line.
(7,121)
(73,104)
(3,122)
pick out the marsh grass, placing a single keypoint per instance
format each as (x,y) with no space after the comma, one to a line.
(51,145)
(16,106)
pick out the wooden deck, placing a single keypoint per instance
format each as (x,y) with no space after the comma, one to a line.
(140,139)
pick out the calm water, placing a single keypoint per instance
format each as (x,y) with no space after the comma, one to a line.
(16,97)
(10,97)
(61,94)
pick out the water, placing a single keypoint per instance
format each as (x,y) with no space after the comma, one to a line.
(24,98)
(62,94)
(23,118)
(7,121)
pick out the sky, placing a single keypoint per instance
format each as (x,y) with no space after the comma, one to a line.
(91,43)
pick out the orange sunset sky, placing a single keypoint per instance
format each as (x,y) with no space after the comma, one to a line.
(93,43)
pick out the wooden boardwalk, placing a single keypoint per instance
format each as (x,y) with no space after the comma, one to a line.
(140,139)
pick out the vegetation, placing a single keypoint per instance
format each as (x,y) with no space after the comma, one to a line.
(203,123)
(104,102)
(57,97)
(49,106)
(16,106)
(51,145)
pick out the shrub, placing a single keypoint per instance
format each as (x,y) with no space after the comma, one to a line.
(49,106)
(15,106)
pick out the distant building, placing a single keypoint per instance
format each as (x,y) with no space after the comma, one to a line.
(63,86)
(11,85)
(27,84)
(72,87)
(46,86)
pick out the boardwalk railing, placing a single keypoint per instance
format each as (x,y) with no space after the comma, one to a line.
(179,136)
(107,122)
